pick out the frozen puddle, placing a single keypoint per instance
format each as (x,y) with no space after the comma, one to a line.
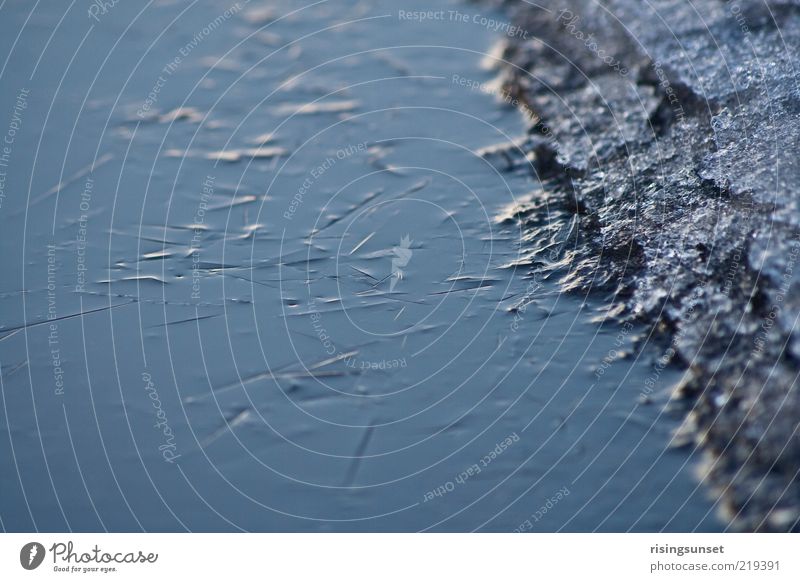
(299,306)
